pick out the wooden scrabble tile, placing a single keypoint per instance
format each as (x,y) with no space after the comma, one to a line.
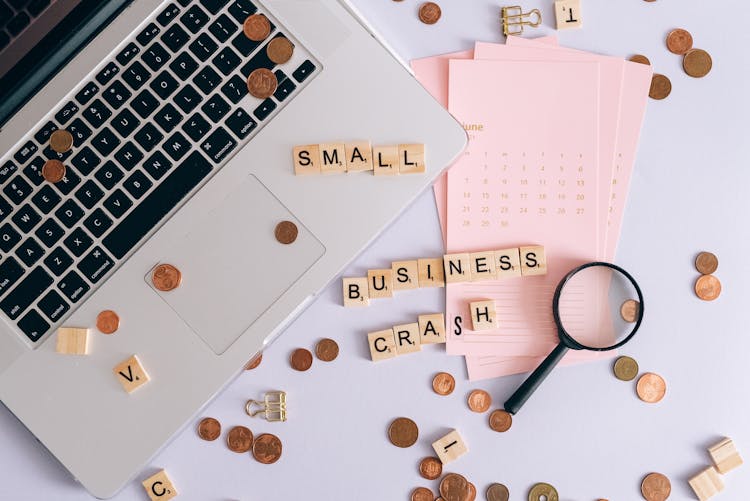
(382,345)
(432,328)
(431,272)
(306,159)
(380,283)
(358,156)
(483,315)
(72,341)
(707,483)
(407,338)
(450,447)
(411,158)
(405,275)
(482,266)
(725,456)
(159,487)
(131,374)
(356,292)
(568,14)
(385,160)
(508,263)
(457,268)
(533,261)
(332,158)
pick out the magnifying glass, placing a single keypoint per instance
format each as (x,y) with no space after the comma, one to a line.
(597,307)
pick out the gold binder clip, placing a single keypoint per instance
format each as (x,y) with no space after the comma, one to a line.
(514,19)
(273,406)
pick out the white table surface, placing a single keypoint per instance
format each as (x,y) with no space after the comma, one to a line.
(584,431)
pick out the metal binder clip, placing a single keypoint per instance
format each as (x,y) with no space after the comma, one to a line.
(273,406)
(514,19)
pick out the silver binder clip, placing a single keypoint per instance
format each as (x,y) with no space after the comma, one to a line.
(273,406)
(514,19)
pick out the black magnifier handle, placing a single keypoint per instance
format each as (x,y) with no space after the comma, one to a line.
(522,394)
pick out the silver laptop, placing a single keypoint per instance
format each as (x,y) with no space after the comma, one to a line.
(174,162)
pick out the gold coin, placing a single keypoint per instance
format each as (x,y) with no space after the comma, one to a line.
(280,50)
(429,13)
(286,232)
(542,489)
(497,492)
(301,359)
(422,494)
(697,63)
(706,263)
(679,41)
(443,383)
(454,487)
(640,59)
(651,388)
(166,277)
(656,487)
(629,310)
(327,350)
(479,401)
(661,87)
(209,429)
(500,420)
(107,322)
(61,141)
(707,287)
(430,468)
(267,448)
(256,27)
(254,362)
(262,83)
(53,171)
(403,432)
(626,369)
(240,439)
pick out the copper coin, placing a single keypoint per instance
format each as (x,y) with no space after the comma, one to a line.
(708,287)
(254,362)
(280,50)
(256,27)
(697,63)
(422,494)
(429,13)
(625,368)
(403,432)
(239,439)
(53,171)
(661,87)
(472,492)
(500,420)
(301,359)
(267,448)
(166,277)
(629,310)
(209,429)
(640,59)
(61,141)
(454,487)
(107,322)
(443,383)
(706,263)
(327,350)
(497,492)
(262,83)
(286,232)
(656,487)
(430,468)
(651,388)
(479,401)
(679,41)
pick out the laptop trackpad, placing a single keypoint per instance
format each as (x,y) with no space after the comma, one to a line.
(233,267)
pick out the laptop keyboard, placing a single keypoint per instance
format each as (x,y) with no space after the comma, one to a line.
(149,126)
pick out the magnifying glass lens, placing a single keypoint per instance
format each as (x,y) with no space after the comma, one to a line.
(598,307)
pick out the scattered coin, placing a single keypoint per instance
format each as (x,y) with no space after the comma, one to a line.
(651,388)
(61,141)
(429,13)
(497,492)
(254,362)
(430,468)
(697,63)
(656,487)
(454,487)
(661,87)
(166,277)
(403,432)
(679,41)
(262,83)
(301,359)
(327,350)
(280,50)
(256,27)
(626,369)
(209,429)
(500,420)
(706,263)
(422,494)
(240,439)
(640,59)
(267,448)
(53,171)
(107,322)
(472,492)
(542,489)
(479,401)
(443,383)
(286,232)
(629,310)
(708,287)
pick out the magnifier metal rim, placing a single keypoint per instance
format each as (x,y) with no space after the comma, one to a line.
(569,340)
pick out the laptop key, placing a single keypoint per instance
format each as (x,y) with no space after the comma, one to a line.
(188,98)
(77,242)
(36,7)
(69,213)
(89,194)
(53,306)
(80,132)
(95,265)
(148,137)
(164,85)
(241,9)
(33,171)
(222,28)
(125,123)
(10,272)
(118,203)
(26,218)
(241,123)
(226,61)
(285,89)
(148,34)
(9,237)
(207,80)
(17,190)
(24,154)
(108,175)
(194,19)
(49,233)
(105,142)
(85,94)
(42,136)
(155,56)
(196,127)
(177,146)
(7,170)
(216,107)
(127,54)
(69,181)
(33,325)
(175,38)
(203,47)
(51,154)
(128,156)
(167,15)
(58,261)
(46,199)
(137,184)
(136,75)
(244,45)
(168,117)
(29,251)
(264,109)
(97,223)
(213,6)
(107,74)
(183,66)
(97,113)
(66,113)
(16,25)
(303,71)
(5,209)
(85,161)
(218,145)
(144,104)
(116,94)
(157,165)
(73,286)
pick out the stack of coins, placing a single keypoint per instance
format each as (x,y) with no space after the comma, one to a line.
(707,287)
(696,62)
